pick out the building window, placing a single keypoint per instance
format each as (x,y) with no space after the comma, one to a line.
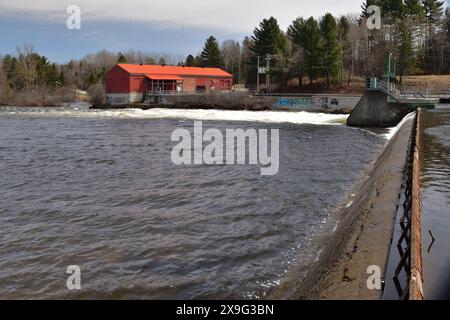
(200,88)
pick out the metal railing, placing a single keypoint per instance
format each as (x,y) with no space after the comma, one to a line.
(389,89)
(409,244)
(409,96)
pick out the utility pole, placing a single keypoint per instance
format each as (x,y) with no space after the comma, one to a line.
(389,73)
(239,72)
(257,77)
(267,71)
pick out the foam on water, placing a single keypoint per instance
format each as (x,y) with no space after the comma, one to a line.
(301,117)
(394,130)
(253,116)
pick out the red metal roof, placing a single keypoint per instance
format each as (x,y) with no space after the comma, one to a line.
(163,77)
(173,70)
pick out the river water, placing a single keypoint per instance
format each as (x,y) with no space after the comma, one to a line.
(97,189)
(435,194)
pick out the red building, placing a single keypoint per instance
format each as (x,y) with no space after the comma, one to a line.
(130,83)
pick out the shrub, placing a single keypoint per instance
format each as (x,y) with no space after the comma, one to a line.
(97,94)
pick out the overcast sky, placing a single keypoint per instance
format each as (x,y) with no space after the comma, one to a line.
(166,26)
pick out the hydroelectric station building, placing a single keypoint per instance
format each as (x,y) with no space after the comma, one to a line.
(132,83)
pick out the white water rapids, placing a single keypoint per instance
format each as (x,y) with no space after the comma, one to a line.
(301,117)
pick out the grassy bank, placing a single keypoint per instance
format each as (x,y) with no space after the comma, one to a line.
(432,83)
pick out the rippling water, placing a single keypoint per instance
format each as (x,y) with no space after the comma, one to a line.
(97,189)
(435,189)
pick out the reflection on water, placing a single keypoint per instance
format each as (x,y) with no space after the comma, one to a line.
(435,189)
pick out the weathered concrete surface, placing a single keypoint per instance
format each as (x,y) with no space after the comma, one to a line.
(373,110)
(363,236)
(416,283)
(339,104)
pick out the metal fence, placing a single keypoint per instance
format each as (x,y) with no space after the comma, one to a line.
(389,89)
(409,244)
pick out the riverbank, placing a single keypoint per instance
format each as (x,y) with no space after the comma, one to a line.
(40,98)
(363,234)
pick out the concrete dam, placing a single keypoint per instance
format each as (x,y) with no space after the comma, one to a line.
(382,105)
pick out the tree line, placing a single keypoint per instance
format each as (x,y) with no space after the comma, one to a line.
(27,78)
(335,50)
(328,52)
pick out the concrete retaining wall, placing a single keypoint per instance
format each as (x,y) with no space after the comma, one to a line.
(362,237)
(263,102)
(416,282)
(373,110)
(316,102)
(120,99)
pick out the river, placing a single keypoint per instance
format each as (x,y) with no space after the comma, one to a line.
(97,189)
(435,196)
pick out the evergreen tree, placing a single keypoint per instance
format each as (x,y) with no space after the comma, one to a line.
(190,61)
(434,10)
(150,60)
(62,78)
(198,62)
(52,75)
(447,24)
(312,49)
(162,61)
(5,88)
(10,67)
(268,38)
(92,79)
(406,58)
(392,9)
(269,42)
(121,58)
(344,30)
(331,50)
(433,13)
(211,55)
(415,8)
(296,32)
(42,69)
(248,67)
(366,4)
(101,76)
(305,35)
